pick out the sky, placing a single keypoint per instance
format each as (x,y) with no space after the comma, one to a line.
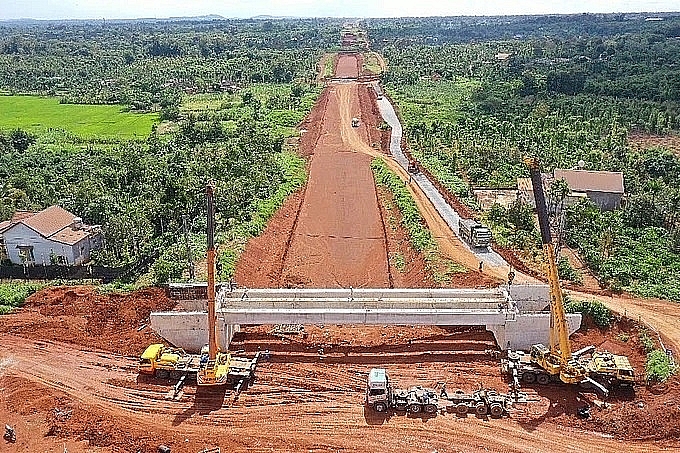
(124,9)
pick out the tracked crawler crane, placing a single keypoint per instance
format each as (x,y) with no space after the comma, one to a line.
(598,370)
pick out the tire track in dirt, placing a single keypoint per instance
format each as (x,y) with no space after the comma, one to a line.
(340,239)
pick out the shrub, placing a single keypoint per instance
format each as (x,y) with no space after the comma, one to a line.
(13,295)
(596,310)
(567,272)
(659,367)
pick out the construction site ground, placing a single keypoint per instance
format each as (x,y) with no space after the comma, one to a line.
(68,375)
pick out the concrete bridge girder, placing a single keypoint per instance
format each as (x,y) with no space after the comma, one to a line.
(509,315)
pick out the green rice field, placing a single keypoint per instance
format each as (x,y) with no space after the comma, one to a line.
(35,113)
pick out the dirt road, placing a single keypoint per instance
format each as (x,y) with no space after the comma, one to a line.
(68,368)
(339,238)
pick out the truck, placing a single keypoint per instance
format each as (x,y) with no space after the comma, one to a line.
(474,233)
(355,122)
(480,402)
(598,370)
(381,397)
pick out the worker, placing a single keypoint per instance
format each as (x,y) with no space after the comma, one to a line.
(511,276)
(481,266)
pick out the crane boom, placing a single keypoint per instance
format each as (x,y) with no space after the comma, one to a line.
(559,331)
(602,370)
(212,334)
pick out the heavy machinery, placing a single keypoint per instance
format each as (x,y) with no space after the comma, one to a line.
(381,397)
(474,233)
(211,367)
(355,122)
(598,370)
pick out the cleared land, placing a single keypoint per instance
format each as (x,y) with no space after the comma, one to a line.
(39,113)
(68,363)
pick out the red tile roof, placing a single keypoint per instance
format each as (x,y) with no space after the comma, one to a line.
(592,181)
(54,223)
(50,220)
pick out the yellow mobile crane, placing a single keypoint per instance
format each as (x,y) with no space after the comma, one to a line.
(217,367)
(599,370)
(212,367)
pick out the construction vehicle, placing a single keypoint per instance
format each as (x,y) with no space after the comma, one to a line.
(166,362)
(480,402)
(597,370)
(474,233)
(412,167)
(381,397)
(211,367)
(355,122)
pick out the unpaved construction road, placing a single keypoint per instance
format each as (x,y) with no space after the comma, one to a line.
(68,368)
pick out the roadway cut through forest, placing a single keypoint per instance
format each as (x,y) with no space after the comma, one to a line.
(68,370)
(336,232)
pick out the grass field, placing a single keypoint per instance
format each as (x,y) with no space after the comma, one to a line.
(37,113)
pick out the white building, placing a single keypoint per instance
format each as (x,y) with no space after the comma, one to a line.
(51,236)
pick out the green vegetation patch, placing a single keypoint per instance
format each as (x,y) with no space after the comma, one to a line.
(596,310)
(13,295)
(421,238)
(659,366)
(35,113)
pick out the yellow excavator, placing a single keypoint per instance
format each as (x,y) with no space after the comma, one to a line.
(598,370)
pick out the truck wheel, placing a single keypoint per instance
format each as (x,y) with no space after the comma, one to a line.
(529,377)
(430,408)
(415,408)
(380,407)
(496,410)
(461,408)
(543,379)
(481,409)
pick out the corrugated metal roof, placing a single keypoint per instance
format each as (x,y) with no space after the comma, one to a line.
(592,181)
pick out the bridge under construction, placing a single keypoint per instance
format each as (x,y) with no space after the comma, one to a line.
(516,316)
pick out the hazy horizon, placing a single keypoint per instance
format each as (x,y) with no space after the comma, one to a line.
(101,9)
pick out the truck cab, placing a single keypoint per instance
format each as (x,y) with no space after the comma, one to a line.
(615,370)
(147,363)
(378,391)
(158,359)
(474,233)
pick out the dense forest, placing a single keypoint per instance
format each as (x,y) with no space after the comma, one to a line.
(148,65)
(230,94)
(570,89)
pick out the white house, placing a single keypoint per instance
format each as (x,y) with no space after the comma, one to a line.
(51,236)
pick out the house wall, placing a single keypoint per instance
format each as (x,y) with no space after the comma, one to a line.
(20,234)
(606,201)
(81,250)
